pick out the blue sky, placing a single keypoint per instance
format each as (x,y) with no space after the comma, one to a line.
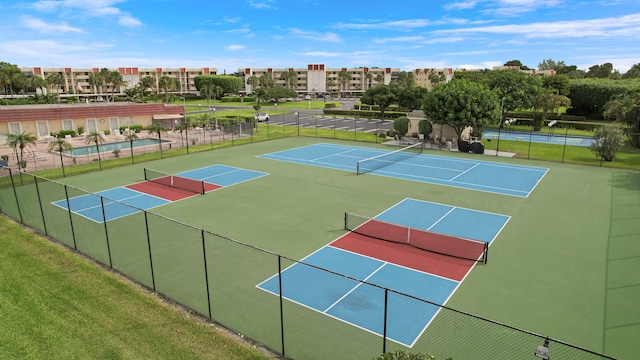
(232,34)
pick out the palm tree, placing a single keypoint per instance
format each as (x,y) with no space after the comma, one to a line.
(39,83)
(116,80)
(330,84)
(147,82)
(104,84)
(166,84)
(60,144)
(369,77)
(56,80)
(253,81)
(21,141)
(95,80)
(95,137)
(131,137)
(379,79)
(343,78)
(9,72)
(157,128)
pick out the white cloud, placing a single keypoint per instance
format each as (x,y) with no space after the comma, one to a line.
(603,28)
(234,47)
(399,39)
(461,5)
(265,4)
(48,28)
(313,35)
(378,25)
(322,54)
(129,21)
(243,30)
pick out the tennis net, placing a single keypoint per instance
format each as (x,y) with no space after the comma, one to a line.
(158,177)
(380,161)
(425,240)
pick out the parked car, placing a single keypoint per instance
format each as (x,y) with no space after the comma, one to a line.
(264,117)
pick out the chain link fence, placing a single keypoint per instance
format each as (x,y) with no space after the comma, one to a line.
(217,277)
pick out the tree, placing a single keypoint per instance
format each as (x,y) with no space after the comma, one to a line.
(380,95)
(95,80)
(260,94)
(230,84)
(56,81)
(609,140)
(632,73)
(561,83)
(330,84)
(517,63)
(379,79)
(425,128)
(548,100)
(405,79)
(410,98)
(20,141)
(590,96)
(343,78)
(625,108)
(104,84)
(9,73)
(549,64)
(38,82)
(401,125)
(290,78)
(21,83)
(368,76)
(157,128)
(517,88)
(61,145)
(116,81)
(131,137)
(266,80)
(253,81)
(147,82)
(279,92)
(166,84)
(600,71)
(462,103)
(96,138)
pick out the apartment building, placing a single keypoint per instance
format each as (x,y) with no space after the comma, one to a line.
(429,77)
(76,81)
(318,79)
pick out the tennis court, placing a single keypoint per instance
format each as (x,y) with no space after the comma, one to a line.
(159,189)
(431,272)
(515,180)
(562,266)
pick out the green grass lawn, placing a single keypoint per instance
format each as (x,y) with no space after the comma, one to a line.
(57,305)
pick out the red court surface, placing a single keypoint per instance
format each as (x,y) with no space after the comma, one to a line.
(404,255)
(167,192)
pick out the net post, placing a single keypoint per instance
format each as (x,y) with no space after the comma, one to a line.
(203,188)
(345,221)
(357,168)
(486,252)
(145,173)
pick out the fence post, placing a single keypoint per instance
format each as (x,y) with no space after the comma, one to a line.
(73,232)
(106,233)
(206,272)
(146,225)
(44,222)
(384,327)
(281,303)
(15,194)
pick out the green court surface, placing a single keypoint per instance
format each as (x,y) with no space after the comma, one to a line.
(565,266)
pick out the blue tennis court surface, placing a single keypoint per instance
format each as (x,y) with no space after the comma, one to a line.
(506,179)
(115,204)
(362,305)
(115,200)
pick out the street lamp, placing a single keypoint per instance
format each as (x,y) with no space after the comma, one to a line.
(186,126)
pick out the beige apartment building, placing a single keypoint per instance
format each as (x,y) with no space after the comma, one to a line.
(318,79)
(76,81)
(315,79)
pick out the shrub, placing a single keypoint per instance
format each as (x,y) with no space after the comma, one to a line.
(63,133)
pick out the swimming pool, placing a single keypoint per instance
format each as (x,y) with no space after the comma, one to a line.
(109,147)
(540,137)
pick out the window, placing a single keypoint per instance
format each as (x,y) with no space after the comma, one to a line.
(67,124)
